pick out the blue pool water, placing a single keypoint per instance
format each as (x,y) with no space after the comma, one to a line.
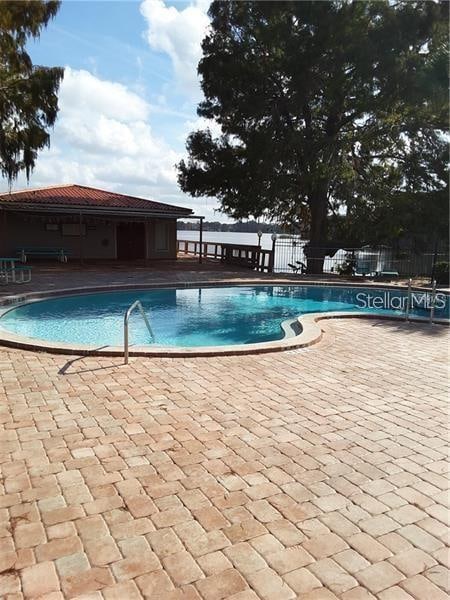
(193,317)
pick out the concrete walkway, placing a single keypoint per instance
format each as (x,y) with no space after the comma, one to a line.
(314,474)
(51,276)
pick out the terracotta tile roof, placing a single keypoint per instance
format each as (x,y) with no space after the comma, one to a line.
(79,196)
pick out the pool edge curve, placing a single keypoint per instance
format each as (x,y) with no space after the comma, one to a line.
(310,330)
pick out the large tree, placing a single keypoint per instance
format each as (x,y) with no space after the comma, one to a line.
(406,205)
(28,93)
(316,99)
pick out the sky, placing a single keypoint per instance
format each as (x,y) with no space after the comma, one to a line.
(128,99)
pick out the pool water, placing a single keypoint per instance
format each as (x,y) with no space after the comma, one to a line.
(212,316)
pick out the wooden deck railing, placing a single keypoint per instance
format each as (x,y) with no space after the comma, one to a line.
(209,249)
(252,257)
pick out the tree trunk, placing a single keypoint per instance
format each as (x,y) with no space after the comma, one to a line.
(315,251)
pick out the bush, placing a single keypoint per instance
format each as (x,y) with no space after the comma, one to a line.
(441,272)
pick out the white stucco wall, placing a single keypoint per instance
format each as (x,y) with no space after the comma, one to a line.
(153,251)
(21,231)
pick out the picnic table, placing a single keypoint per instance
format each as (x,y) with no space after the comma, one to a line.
(10,271)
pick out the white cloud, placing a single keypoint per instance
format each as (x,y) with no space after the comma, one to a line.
(179,34)
(103,137)
(82,91)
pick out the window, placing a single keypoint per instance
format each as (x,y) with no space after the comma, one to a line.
(73,229)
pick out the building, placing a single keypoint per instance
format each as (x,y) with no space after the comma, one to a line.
(88,223)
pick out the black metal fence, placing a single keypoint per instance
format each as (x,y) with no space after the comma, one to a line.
(292,255)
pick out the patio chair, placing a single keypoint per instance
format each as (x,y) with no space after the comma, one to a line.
(299,266)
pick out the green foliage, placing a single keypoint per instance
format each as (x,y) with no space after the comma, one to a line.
(326,108)
(28,93)
(441,273)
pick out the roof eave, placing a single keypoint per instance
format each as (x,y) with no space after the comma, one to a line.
(100,210)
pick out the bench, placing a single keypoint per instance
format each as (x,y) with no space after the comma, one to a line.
(59,253)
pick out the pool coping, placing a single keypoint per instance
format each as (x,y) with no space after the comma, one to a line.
(300,332)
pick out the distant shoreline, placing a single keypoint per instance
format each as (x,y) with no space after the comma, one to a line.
(247,227)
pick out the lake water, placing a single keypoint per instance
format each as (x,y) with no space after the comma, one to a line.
(228,237)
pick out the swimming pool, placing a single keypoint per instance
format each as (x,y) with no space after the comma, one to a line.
(195,317)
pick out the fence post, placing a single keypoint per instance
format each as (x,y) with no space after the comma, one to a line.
(200,257)
(272,256)
(408,301)
(433,301)
(433,265)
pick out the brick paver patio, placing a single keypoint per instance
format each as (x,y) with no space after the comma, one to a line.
(312,474)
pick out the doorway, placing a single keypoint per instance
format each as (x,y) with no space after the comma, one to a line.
(130,241)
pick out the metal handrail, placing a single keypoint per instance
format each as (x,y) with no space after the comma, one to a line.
(137,305)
